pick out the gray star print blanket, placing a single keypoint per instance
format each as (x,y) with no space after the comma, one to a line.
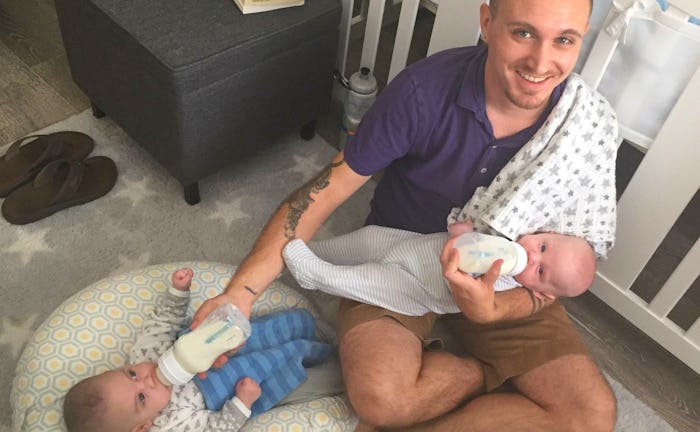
(562,180)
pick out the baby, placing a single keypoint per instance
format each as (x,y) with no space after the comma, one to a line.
(400,270)
(133,399)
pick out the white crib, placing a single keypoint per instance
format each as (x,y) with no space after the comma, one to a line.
(664,183)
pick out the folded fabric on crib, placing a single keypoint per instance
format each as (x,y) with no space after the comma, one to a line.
(280,347)
(562,180)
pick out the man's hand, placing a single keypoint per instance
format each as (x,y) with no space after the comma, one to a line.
(210,305)
(476,298)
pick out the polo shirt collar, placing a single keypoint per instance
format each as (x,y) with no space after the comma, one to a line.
(472,95)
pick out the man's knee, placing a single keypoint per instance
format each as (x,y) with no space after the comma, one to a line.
(597,413)
(573,392)
(381,404)
(602,413)
(376,380)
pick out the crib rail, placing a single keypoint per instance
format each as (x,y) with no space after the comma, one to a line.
(665,181)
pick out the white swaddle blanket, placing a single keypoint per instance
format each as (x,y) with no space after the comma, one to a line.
(562,180)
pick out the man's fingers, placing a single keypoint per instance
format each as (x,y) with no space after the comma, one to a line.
(201,313)
(448,252)
(490,276)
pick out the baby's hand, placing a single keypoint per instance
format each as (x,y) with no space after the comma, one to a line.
(248,391)
(182,278)
(461,227)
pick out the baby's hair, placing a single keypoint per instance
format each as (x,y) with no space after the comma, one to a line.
(82,407)
(585,270)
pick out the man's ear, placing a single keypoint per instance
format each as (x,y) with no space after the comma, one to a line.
(484,20)
(143,427)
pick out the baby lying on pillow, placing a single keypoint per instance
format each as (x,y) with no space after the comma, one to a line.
(132,398)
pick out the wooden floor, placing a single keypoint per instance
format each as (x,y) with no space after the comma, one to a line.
(36,90)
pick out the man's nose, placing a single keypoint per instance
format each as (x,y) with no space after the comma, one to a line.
(540,57)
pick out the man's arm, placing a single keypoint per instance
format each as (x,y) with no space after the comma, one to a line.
(476,297)
(299,216)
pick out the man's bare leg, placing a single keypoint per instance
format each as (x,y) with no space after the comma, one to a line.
(565,394)
(392,382)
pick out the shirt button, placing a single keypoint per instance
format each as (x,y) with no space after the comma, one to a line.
(483,170)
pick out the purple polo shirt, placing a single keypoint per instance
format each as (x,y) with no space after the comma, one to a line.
(429,131)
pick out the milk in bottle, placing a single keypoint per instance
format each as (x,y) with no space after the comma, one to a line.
(222,330)
(477,252)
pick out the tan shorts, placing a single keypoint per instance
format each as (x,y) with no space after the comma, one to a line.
(505,349)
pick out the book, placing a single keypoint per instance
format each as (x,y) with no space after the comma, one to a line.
(255,6)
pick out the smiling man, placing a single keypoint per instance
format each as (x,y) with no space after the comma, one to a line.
(446,131)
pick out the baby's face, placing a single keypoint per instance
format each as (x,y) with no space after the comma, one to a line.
(550,260)
(135,394)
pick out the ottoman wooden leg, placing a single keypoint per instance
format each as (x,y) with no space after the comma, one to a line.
(192,193)
(308,130)
(96,111)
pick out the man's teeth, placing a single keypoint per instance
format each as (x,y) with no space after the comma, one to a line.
(532,78)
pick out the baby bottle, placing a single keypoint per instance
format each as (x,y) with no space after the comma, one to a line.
(477,252)
(222,330)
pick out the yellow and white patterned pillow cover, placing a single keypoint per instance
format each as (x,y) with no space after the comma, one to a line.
(94,329)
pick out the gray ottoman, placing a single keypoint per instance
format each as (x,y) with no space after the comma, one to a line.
(198,84)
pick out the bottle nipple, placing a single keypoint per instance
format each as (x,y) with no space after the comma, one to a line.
(163,380)
(520,260)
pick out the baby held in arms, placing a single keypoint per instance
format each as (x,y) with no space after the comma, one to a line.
(401,271)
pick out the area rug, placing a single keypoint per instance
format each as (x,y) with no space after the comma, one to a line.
(144,220)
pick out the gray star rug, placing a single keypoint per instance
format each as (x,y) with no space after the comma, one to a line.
(144,220)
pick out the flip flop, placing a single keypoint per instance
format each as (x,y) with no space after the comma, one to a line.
(21,163)
(59,185)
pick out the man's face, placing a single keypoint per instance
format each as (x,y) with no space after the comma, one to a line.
(533,47)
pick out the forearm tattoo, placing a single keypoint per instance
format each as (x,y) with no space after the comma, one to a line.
(299,201)
(537,303)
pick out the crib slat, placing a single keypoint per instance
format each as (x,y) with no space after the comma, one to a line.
(456,24)
(679,282)
(665,181)
(691,7)
(404,35)
(693,334)
(682,344)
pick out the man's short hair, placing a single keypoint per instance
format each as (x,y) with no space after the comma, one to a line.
(493,4)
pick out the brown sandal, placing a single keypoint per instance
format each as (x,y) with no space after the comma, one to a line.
(60,184)
(21,163)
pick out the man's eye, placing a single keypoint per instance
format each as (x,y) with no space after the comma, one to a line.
(564,41)
(523,34)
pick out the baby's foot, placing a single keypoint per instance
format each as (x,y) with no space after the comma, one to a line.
(182,279)
(248,391)
(303,263)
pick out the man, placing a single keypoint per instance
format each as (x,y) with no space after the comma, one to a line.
(443,128)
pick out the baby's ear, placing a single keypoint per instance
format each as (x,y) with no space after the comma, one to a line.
(143,427)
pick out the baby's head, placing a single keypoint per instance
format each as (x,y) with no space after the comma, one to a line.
(558,265)
(120,400)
